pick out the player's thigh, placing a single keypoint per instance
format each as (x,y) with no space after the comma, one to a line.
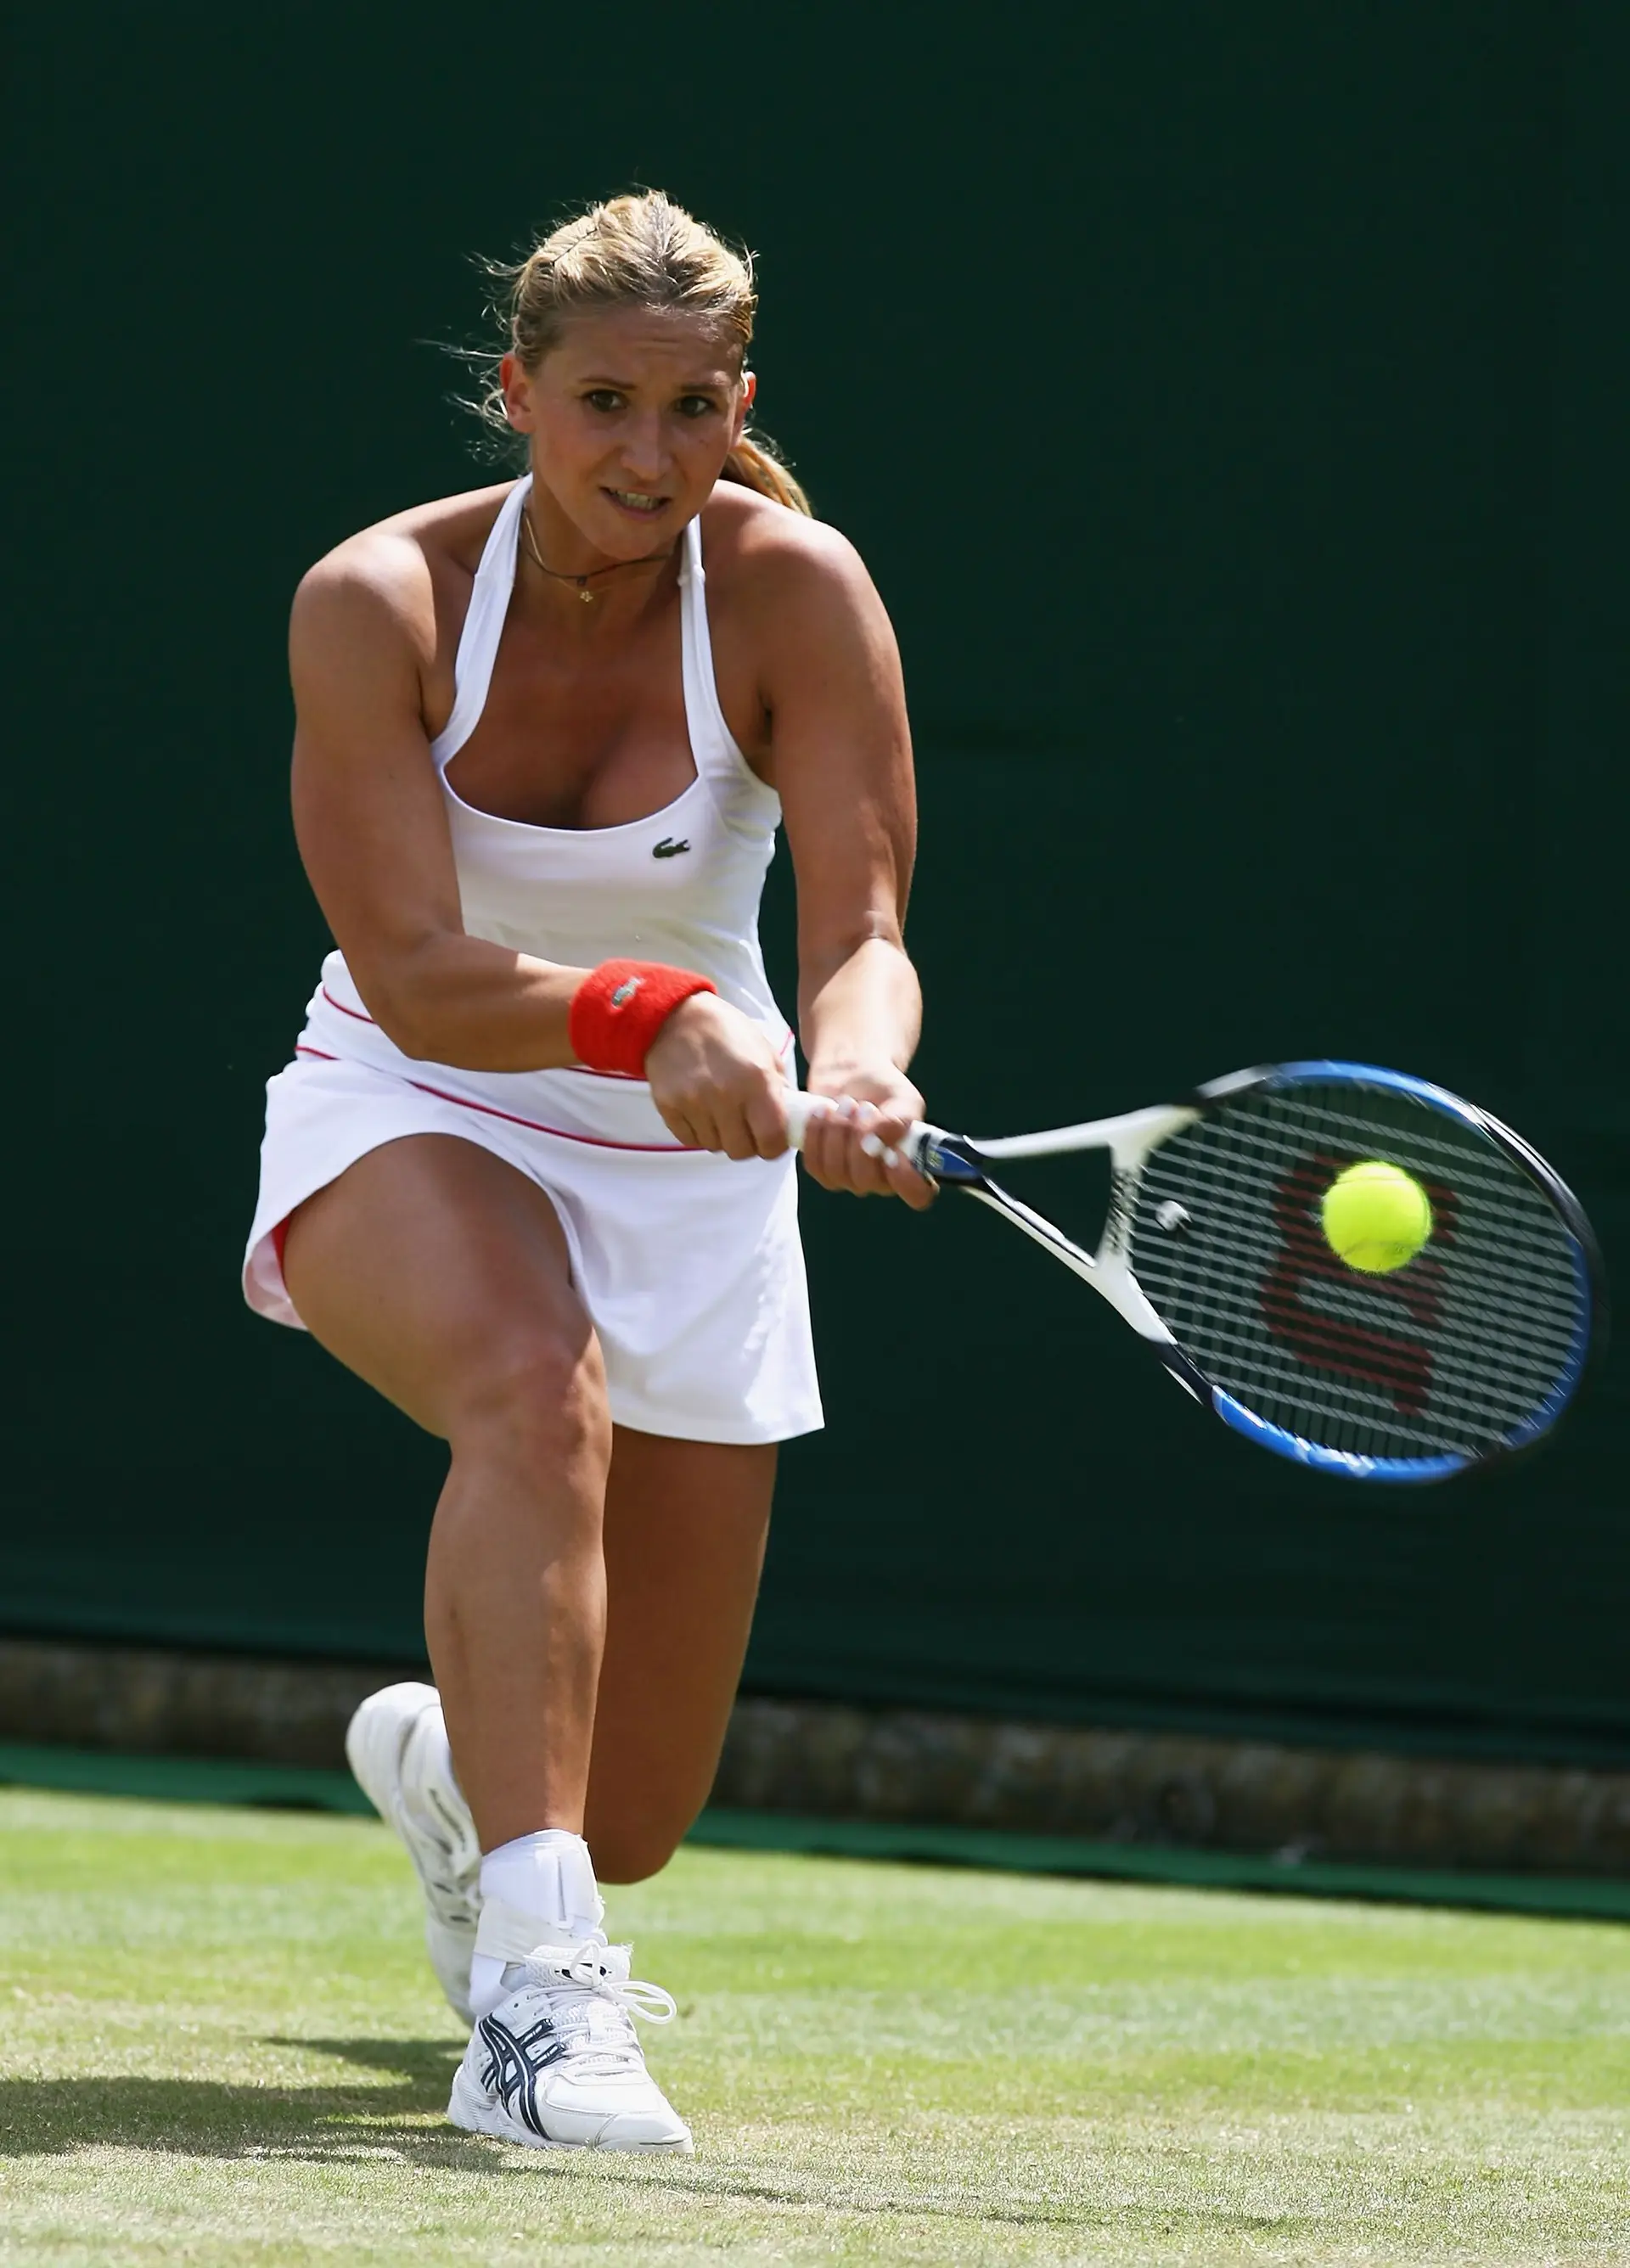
(684,1541)
(441,1276)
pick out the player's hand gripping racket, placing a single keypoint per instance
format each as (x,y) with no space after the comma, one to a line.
(1218,1251)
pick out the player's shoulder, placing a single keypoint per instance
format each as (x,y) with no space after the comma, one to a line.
(402,574)
(758,549)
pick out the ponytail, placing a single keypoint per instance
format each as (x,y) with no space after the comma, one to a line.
(756,463)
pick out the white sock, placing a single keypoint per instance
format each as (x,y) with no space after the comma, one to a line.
(547,1876)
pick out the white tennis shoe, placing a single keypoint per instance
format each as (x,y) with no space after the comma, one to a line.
(396,1745)
(557,2065)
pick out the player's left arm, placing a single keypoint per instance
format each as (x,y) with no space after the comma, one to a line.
(840,754)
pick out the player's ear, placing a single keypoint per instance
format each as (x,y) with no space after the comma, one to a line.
(750,388)
(516,388)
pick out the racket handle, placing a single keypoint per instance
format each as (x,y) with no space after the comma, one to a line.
(801,1109)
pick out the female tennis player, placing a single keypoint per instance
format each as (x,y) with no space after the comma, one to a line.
(528,1173)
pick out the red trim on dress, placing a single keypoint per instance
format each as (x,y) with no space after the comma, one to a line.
(536,1126)
(354,1013)
(533,1125)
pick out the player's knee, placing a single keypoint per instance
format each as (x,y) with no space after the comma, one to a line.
(533,1389)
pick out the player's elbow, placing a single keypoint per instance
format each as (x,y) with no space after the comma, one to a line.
(402,1003)
(410,1038)
(415,1032)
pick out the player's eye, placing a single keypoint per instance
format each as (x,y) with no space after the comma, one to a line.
(604,399)
(696,405)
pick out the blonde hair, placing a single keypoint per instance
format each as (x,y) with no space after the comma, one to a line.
(642,251)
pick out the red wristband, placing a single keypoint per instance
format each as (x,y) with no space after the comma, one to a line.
(619,1008)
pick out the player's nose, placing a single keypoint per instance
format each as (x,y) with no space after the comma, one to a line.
(644,457)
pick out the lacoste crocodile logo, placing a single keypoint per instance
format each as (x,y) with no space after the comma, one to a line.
(667,848)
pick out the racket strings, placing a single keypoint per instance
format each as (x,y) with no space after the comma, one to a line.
(1390,1363)
(1458,1351)
(1529,1239)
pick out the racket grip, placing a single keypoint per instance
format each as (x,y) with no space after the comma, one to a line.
(801,1109)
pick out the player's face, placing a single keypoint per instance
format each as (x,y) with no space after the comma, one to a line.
(631,419)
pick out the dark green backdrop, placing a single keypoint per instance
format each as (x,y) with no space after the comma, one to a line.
(1231,402)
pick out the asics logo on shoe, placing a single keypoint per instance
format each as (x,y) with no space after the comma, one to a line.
(667,848)
(558,2066)
(515,2061)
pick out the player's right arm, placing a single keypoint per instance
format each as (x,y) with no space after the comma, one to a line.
(371,823)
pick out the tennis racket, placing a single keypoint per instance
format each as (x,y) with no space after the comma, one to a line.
(1214,1252)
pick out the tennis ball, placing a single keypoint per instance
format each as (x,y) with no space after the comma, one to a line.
(1376,1216)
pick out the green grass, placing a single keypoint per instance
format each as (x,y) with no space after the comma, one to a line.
(222,2044)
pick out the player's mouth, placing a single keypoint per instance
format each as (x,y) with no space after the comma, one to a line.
(644,506)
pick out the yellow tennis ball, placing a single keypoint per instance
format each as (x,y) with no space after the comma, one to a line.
(1377,1216)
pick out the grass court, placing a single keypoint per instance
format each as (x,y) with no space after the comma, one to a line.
(222,2044)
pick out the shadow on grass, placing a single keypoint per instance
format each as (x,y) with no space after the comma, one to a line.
(344,2117)
(356,2119)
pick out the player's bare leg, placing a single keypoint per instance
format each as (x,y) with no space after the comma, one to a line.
(465,1318)
(684,1541)
(440,1275)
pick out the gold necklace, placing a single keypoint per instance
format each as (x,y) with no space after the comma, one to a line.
(582,581)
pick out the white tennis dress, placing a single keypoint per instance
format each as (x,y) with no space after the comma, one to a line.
(689,1262)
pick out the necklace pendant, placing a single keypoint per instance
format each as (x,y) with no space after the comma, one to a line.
(587,597)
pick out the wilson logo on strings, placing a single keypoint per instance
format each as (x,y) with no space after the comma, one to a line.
(1394,1353)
